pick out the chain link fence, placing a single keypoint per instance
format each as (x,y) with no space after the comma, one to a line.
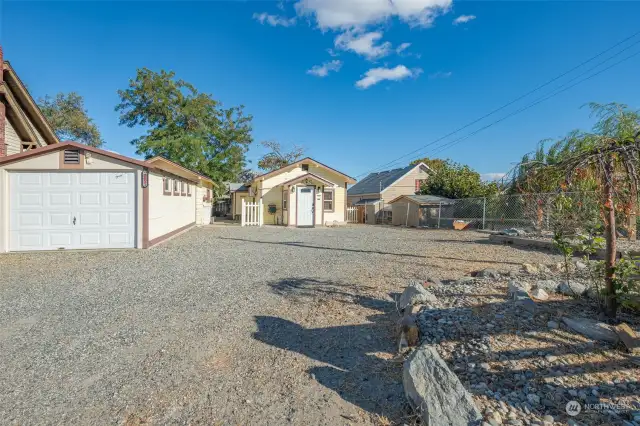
(533,212)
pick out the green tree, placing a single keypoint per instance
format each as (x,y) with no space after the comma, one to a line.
(277,158)
(69,118)
(184,125)
(453,180)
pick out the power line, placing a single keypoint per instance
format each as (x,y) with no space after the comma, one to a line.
(505,105)
(540,100)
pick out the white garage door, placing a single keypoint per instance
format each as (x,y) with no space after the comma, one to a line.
(72,210)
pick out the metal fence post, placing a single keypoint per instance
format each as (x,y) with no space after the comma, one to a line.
(484,211)
(439,213)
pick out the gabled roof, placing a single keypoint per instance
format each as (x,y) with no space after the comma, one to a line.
(423,199)
(158,163)
(177,168)
(375,183)
(291,166)
(307,176)
(18,96)
(66,145)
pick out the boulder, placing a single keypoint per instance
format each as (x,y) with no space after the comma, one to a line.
(592,329)
(409,330)
(415,294)
(517,290)
(547,285)
(488,273)
(539,294)
(435,391)
(513,232)
(572,288)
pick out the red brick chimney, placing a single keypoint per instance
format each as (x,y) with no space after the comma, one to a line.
(3,146)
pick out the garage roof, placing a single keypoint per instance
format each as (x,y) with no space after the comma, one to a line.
(159,163)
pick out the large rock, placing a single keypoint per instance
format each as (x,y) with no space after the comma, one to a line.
(488,273)
(416,294)
(435,391)
(517,290)
(550,286)
(539,294)
(592,329)
(572,288)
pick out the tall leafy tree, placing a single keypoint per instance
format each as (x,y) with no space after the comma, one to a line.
(277,157)
(453,180)
(69,119)
(184,125)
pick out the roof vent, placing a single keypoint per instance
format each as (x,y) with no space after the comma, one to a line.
(71,156)
(305,167)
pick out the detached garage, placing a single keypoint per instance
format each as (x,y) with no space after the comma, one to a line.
(71,196)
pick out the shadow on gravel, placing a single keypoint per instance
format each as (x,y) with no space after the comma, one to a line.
(357,369)
(302,245)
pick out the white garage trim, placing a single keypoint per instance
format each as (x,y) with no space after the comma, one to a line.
(72,210)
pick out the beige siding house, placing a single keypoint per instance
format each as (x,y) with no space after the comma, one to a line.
(306,193)
(373,194)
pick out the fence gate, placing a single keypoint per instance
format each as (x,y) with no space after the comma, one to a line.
(251,213)
(352,215)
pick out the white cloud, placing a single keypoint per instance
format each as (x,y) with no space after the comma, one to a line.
(463,19)
(376,75)
(440,74)
(349,14)
(324,69)
(402,47)
(274,20)
(492,176)
(363,44)
(332,53)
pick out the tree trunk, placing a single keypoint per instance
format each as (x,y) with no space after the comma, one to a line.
(633,213)
(611,303)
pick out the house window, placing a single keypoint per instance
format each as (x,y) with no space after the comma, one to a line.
(183,188)
(419,183)
(166,186)
(71,156)
(305,167)
(208,196)
(328,200)
(176,188)
(285,194)
(188,190)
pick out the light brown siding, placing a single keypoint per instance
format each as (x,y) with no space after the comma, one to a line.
(400,215)
(405,185)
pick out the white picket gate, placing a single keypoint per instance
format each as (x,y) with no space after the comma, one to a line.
(251,213)
(352,214)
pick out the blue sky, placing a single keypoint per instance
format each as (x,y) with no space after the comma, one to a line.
(262,54)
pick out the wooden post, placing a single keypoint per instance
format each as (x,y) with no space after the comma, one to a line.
(611,303)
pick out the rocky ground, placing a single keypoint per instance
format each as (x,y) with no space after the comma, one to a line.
(223,325)
(517,356)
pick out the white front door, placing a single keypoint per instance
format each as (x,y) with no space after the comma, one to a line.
(306,197)
(72,210)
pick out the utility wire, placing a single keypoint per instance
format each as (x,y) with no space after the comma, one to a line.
(540,100)
(504,106)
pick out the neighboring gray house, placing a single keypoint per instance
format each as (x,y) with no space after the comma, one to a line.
(373,193)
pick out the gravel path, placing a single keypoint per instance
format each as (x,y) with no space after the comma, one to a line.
(222,325)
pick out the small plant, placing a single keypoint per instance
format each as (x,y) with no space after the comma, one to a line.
(564,245)
(627,287)
(589,245)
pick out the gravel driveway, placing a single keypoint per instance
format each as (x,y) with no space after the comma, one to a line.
(221,325)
